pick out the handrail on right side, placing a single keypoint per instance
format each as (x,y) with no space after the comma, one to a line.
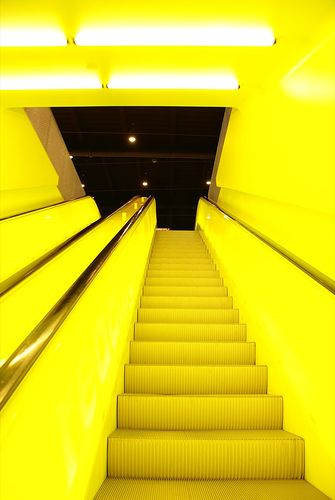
(312,271)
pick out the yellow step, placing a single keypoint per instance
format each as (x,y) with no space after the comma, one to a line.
(147,315)
(177,413)
(262,454)
(191,332)
(181,260)
(181,273)
(182,281)
(185,245)
(187,302)
(184,379)
(193,353)
(180,253)
(142,489)
(185,291)
(190,266)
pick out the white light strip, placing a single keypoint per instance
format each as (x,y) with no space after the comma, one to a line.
(211,36)
(32,37)
(50,82)
(173,81)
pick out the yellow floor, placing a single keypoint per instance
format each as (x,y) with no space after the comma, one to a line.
(195,420)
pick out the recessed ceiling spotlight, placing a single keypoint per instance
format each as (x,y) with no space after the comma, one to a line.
(144,183)
(83,185)
(132,139)
(208,183)
(70,156)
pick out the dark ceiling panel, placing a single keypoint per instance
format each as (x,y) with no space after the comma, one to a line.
(174,152)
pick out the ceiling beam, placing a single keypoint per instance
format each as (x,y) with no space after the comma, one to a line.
(146,154)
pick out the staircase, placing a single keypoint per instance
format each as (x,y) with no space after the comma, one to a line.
(195,420)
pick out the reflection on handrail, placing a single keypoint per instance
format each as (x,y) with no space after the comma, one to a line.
(43,208)
(314,273)
(22,274)
(19,363)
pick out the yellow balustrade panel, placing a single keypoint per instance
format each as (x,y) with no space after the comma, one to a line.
(54,428)
(40,231)
(24,306)
(292,319)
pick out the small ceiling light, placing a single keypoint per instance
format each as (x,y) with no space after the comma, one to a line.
(208,183)
(168,36)
(83,185)
(132,139)
(70,156)
(32,37)
(216,81)
(144,183)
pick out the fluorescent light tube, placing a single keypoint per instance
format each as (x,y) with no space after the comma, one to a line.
(173,81)
(50,82)
(211,36)
(32,37)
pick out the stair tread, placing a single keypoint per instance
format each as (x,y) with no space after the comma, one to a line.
(183,281)
(188,315)
(157,302)
(190,331)
(207,435)
(200,412)
(280,489)
(192,352)
(185,291)
(195,379)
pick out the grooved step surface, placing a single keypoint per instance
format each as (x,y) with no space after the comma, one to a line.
(180,260)
(199,412)
(183,281)
(181,273)
(189,253)
(131,489)
(203,266)
(182,379)
(191,332)
(185,291)
(205,455)
(146,315)
(197,353)
(187,302)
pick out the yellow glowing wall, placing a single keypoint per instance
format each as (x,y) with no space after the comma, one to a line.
(40,231)
(54,429)
(27,178)
(277,173)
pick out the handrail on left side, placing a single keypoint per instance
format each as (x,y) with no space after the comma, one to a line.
(22,359)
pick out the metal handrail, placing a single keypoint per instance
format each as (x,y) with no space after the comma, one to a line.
(19,363)
(312,271)
(34,266)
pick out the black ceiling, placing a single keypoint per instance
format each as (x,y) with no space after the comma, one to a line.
(174,152)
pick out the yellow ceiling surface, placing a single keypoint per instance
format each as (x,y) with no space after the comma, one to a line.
(293,22)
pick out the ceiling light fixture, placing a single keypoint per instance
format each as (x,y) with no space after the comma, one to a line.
(144,183)
(70,156)
(189,36)
(32,37)
(83,185)
(173,81)
(50,82)
(208,183)
(132,139)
